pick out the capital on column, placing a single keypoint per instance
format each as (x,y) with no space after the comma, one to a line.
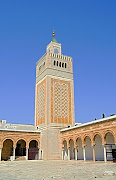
(62,147)
(68,145)
(14,145)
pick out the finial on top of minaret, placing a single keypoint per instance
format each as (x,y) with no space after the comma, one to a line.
(54,40)
(53,33)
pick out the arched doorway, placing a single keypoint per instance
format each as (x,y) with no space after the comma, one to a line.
(33,150)
(21,148)
(65,153)
(110,145)
(88,149)
(72,154)
(99,151)
(79,149)
(7,149)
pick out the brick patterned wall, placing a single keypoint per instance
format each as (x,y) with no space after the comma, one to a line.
(60,101)
(40,102)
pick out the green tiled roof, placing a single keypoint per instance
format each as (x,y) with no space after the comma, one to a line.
(54,40)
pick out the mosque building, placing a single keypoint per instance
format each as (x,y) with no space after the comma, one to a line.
(55,135)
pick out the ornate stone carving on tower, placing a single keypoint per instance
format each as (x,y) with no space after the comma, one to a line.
(54,101)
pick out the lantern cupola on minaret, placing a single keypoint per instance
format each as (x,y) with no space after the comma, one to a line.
(54,46)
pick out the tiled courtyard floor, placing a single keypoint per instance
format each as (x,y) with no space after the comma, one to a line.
(53,170)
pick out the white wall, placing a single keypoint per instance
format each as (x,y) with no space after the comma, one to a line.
(99,151)
(88,149)
(71,149)
(109,139)
(65,154)
(80,150)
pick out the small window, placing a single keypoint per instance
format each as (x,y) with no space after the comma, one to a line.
(65,65)
(54,63)
(62,64)
(57,63)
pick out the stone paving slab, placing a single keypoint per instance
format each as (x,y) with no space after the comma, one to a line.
(56,170)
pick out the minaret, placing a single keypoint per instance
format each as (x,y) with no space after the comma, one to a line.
(54,102)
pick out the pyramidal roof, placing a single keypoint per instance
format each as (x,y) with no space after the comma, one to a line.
(54,40)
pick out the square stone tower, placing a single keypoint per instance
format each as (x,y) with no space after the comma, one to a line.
(54,100)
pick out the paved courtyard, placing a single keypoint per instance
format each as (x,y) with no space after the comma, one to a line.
(53,170)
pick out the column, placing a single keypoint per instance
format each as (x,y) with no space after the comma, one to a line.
(84,153)
(68,153)
(105,159)
(41,154)
(75,153)
(94,153)
(38,153)
(62,154)
(27,153)
(14,153)
(0,153)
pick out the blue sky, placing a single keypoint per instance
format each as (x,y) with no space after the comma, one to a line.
(87,31)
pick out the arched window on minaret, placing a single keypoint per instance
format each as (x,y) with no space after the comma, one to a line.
(56,51)
(54,63)
(63,65)
(60,64)
(57,63)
